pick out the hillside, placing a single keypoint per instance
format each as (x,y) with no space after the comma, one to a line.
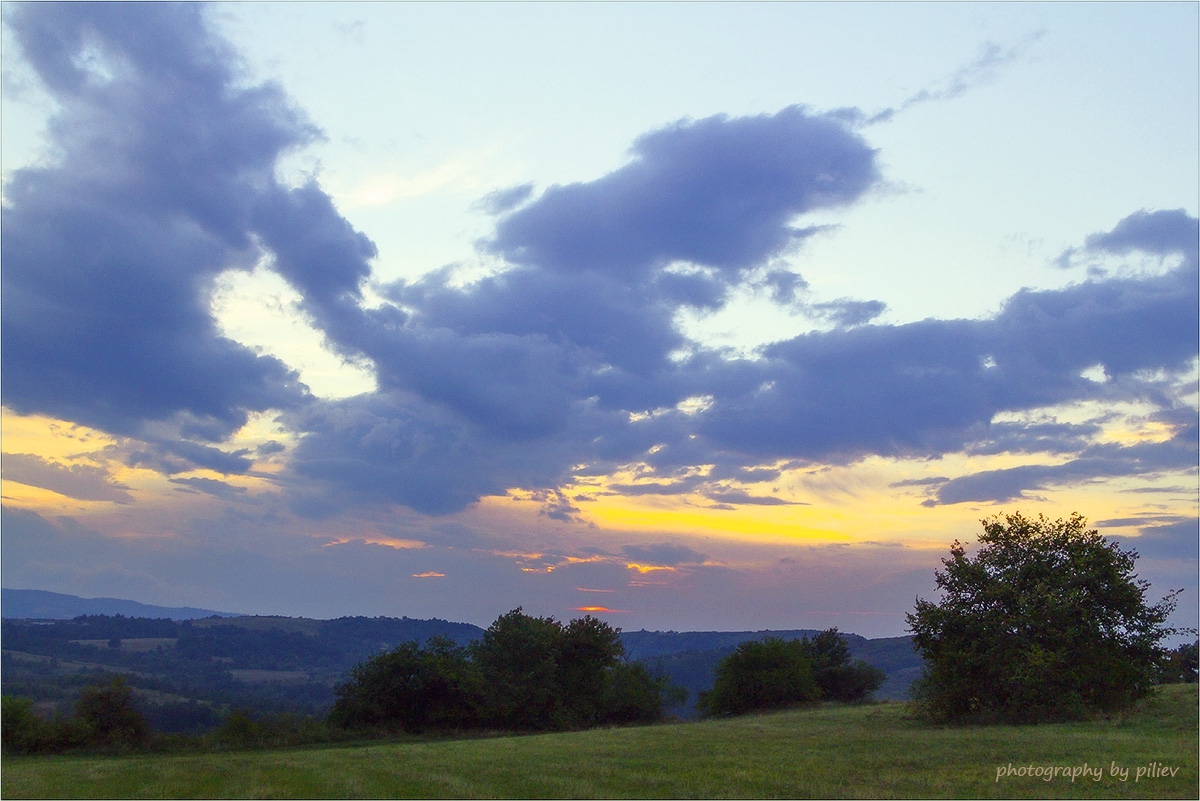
(865,751)
(187,672)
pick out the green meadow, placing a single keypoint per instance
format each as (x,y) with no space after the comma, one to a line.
(868,751)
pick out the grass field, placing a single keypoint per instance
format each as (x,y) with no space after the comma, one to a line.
(872,751)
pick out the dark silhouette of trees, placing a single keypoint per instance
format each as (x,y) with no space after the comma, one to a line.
(839,678)
(518,658)
(1046,622)
(777,674)
(110,717)
(762,675)
(524,673)
(1182,664)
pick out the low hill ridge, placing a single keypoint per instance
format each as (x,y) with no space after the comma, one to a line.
(45,605)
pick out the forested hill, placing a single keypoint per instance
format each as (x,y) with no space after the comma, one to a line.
(188,670)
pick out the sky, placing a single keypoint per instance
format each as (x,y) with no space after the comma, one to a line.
(687,316)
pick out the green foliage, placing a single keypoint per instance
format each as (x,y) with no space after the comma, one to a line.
(518,657)
(761,675)
(1181,664)
(635,693)
(105,716)
(411,689)
(22,731)
(109,715)
(525,673)
(1046,622)
(839,678)
(589,653)
(775,674)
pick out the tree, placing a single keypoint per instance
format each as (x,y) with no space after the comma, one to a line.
(761,675)
(1046,622)
(518,657)
(1181,664)
(839,678)
(637,693)
(590,651)
(109,715)
(411,688)
(524,673)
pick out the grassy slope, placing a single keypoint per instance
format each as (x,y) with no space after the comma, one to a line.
(867,751)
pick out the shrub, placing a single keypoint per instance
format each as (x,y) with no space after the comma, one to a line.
(22,731)
(761,675)
(109,716)
(839,678)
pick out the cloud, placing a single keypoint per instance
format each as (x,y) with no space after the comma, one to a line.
(736,496)
(923,388)
(1162,233)
(668,554)
(981,71)
(569,361)
(1176,539)
(109,250)
(719,192)
(211,486)
(164,178)
(1093,462)
(80,481)
(504,200)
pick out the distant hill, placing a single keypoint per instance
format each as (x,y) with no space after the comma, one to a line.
(43,605)
(326,648)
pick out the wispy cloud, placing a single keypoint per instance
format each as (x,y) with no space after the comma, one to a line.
(984,69)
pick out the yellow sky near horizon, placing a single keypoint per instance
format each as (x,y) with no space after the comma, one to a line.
(874,500)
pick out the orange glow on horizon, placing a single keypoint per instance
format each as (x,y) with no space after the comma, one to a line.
(375,539)
(649,568)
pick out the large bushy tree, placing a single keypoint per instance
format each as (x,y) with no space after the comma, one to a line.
(519,657)
(1047,621)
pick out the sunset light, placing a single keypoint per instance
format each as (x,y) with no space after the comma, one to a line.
(527,299)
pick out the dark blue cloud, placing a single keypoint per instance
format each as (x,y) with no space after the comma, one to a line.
(396,447)
(719,192)
(1092,462)
(109,251)
(922,388)
(572,360)
(503,200)
(164,177)
(211,486)
(918,389)
(1162,233)
(1173,538)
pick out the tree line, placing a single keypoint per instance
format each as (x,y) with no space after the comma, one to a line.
(1045,621)
(525,673)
